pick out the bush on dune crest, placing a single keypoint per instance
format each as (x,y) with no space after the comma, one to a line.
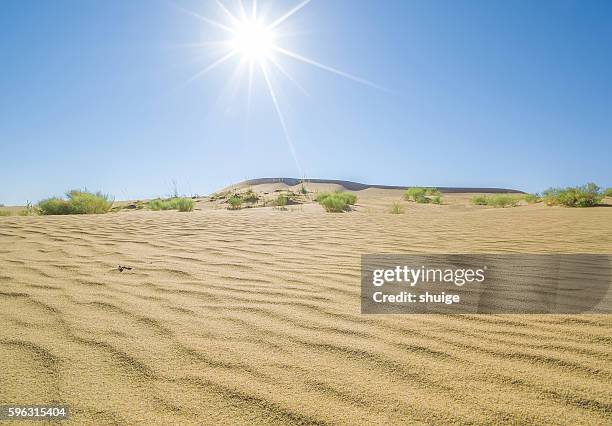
(336,202)
(423,195)
(501,200)
(180,204)
(588,195)
(77,202)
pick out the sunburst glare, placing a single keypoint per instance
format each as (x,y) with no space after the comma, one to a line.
(255,42)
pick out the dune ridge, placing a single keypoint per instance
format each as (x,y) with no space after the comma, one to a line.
(356,186)
(253,316)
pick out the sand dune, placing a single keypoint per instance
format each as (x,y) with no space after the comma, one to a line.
(347,185)
(253,316)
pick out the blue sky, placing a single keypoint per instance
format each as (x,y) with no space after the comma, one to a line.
(480,93)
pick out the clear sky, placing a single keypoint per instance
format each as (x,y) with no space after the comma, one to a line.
(479,93)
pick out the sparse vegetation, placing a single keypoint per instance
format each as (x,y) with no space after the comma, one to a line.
(28,210)
(414,193)
(336,202)
(588,195)
(608,192)
(500,200)
(249,197)
(180,204)
(480,200)
(77,202)
(281,201)
(185,204)
(218,196)
(303,190)
(396,208)
(235,202)
(22,212)
(533,198)
(160,204)
(423,195)
(436,199)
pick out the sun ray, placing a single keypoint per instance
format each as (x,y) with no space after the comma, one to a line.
(287,15)
(212,66)
(233,81)
(326,67)
(228,13)
(207,20)
(289,77)
(250,89)
(281,118)
(197,45)
(243,13)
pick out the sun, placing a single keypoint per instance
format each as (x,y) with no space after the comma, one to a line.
(253,40)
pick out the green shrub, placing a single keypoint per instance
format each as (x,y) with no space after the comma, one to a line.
(607,192)
(421,199)
(396,208)
(336,202)
(414,193)
(180,204)
(159,204)
(303,190)
(588,195)
(185,204)
(501,200)
(321,196)
(54,205)
(235,202)
(83,202)
(350,199)
(480,200)
(250,197)
(77,202)
(420,195)
(281,201)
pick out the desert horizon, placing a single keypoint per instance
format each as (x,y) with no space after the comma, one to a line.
(252,315)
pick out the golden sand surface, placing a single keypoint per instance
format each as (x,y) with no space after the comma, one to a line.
(253,316)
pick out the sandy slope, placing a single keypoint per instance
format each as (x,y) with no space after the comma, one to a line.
(253,316)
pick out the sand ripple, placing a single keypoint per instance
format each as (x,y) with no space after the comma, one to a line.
(253,317)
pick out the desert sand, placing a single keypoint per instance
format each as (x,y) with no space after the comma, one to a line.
(253,316)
